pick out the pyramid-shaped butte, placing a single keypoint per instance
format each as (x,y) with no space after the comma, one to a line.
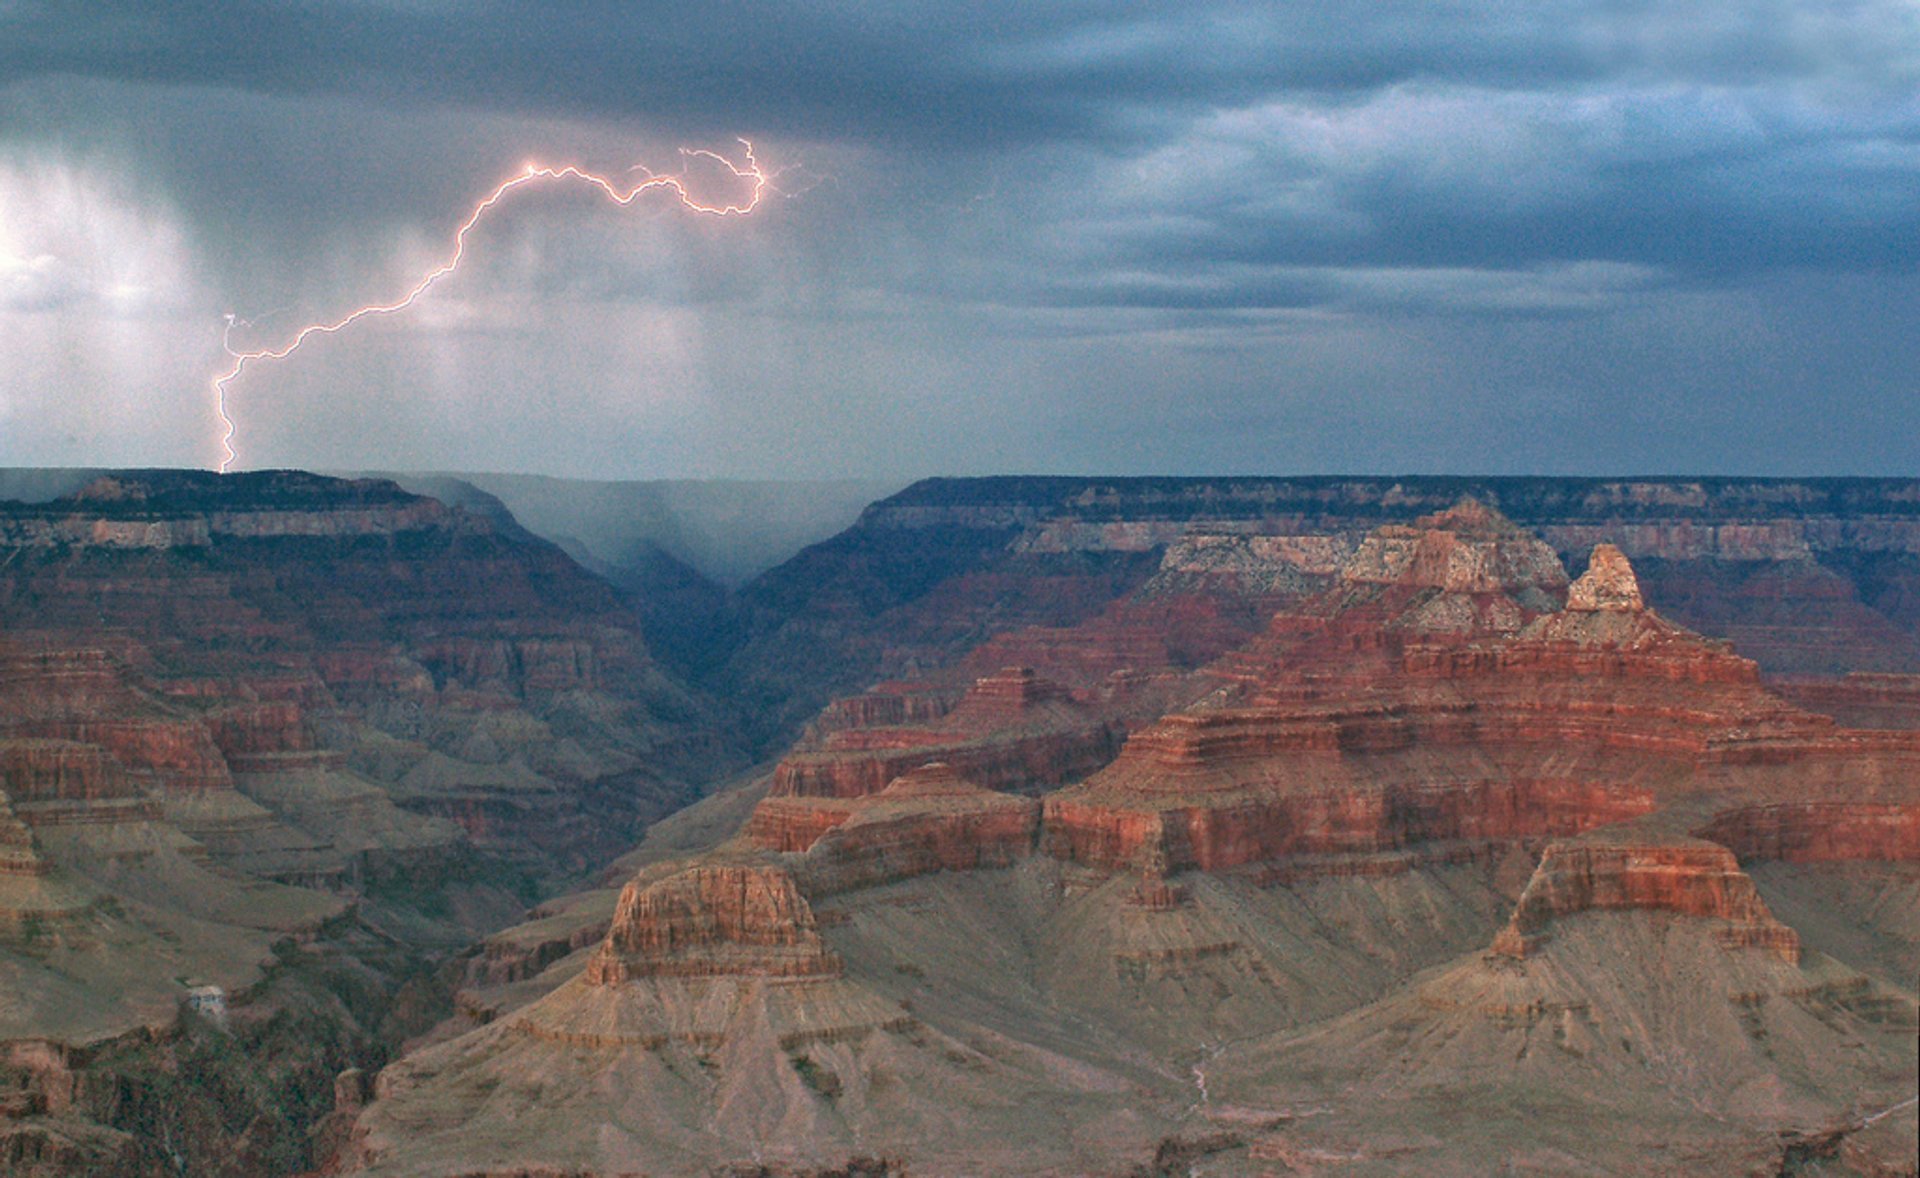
(1608,584)
(1371,736)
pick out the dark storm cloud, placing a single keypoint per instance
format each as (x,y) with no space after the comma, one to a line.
(1334,193)
(938,71)
(1697,184)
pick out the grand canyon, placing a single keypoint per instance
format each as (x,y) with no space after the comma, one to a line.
(455,825)
(959,590)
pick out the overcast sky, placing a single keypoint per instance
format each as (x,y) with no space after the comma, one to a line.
(1549,236)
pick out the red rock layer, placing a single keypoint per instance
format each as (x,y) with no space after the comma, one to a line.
(86,694)
(61,770)
(879,848)
(176,754)
(713,921)
(18,855)
(1010,729)
(929,820)
(254,729)
(791,824)
(1690,877)
(884,705)
(1251,828)
(1858,700)
(1365,729)
(1816,832)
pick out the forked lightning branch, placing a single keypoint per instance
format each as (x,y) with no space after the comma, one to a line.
(747,171)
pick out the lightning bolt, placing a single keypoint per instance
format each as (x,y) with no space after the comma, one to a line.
(749,171)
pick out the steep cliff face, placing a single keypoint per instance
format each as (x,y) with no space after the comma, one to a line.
(1439,814)
(56,771)
(1806,576)
(713,921)
(1011,729)
(242,714)
(1688,877)
(474,672)
(56,687)
(1828,831)
(931,819)
(1372,728)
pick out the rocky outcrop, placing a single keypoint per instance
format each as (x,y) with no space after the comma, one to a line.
(1858,700)
(61,771)
(928,573)
(1013,697)
(255,732)
(18,854)
(1467,549)
(1244,826)
(1608,584)
(713,921)
(931,819)
(884,705)
(1821,831)
(1011,730)
(795,823)
(1690,877)
(1353,728)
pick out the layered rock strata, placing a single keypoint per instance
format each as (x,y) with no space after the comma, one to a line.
(712,921)
(1820,831)
(1808,576)
(1011,729)
(438,648)
(1447,745)
(1684,876)
(928,820)
(1371,729)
